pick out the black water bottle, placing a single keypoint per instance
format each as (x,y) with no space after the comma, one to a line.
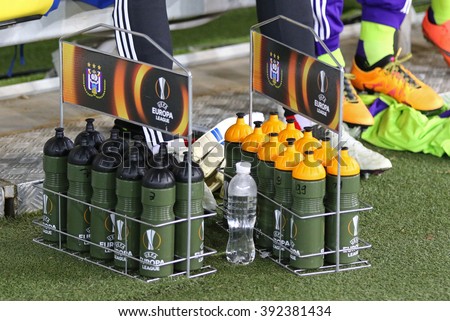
(104,199)
(129,208)
(95,138)
(80,190)
(158,198)
(145,155)
(116,141)
(56,150)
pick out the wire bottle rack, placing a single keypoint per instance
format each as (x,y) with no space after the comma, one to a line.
(335,125)
(60,245)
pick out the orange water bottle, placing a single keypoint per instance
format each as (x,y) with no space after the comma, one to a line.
(250,147)
(307,142)
(289,132)
(273,124)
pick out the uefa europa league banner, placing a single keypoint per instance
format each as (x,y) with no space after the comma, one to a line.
(299,82)
(130,90)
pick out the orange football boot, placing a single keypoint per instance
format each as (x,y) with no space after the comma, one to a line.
(398,82)
(354,110)
(438,35)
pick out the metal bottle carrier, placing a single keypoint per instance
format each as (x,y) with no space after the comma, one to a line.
(187,116)
(267,253)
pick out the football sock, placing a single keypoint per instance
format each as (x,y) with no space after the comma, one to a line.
(376,41)
(440,11)
(329,60)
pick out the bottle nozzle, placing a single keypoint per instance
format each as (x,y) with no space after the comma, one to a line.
(162,158)
(59,132)
(90,124)
(134,155)
(115,133)
(257,123)
(84,139)
(290,141)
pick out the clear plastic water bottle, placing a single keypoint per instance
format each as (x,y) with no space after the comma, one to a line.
(241,215)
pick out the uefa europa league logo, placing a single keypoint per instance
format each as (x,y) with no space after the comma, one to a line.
(322,81)
(355,225)
(150,238)
(45,201)
(277,220)
(162,88)
(120,224)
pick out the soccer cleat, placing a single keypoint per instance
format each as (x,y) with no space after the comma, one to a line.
(355,111)
(438,35)
(369,161)
(398,82)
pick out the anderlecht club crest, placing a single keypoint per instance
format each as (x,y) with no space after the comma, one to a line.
(93,81)
(274,71)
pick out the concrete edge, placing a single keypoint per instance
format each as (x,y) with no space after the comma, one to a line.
(29,88)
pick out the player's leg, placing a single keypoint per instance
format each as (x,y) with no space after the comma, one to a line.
(149,18)
(377,67)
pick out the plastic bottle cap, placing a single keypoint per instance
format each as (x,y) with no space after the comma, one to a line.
(243,167)
(115,133)
(90,124)
(59,132)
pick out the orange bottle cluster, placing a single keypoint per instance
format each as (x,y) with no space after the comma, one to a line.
(294,169)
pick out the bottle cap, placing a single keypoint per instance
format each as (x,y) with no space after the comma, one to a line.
(114,133)
(243,167)
(253,141)
(238,131)
(58,145)
(289,158)
(181,171)
(309,169)
(273,124)
(90,124)
(290,131)
(349,165)
(270,150)
(307,142)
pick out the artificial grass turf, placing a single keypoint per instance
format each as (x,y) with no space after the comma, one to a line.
(409,229)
